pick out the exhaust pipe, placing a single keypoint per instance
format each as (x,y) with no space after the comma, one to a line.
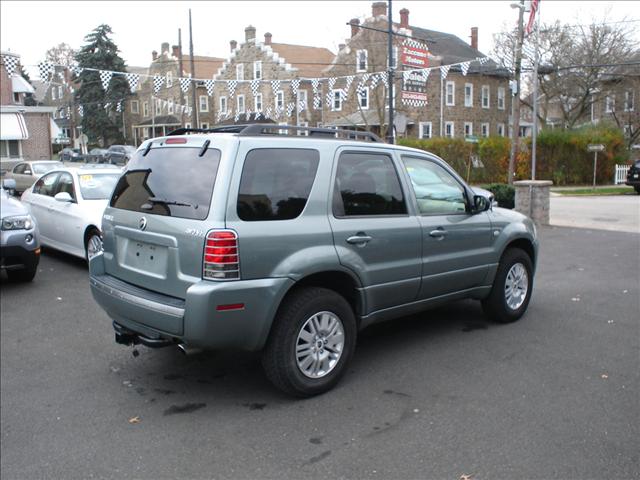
(187,350)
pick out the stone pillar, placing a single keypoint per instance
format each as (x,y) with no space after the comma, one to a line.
(532,199)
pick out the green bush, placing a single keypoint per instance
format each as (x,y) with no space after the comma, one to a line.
(505,194)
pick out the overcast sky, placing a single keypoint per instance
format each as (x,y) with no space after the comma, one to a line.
(30,28)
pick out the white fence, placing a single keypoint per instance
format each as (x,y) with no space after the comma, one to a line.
(621,174)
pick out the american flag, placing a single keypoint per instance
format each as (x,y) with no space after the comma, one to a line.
(532,16)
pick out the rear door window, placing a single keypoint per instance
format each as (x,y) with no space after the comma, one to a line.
(65,184)
(45,185)
(170,181)
(276,183)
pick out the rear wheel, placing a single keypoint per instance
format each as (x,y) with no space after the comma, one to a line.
(93,244)
(511,291)
(311,342)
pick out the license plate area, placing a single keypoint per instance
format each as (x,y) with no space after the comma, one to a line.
(142,257)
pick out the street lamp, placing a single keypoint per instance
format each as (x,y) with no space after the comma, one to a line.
(515,103)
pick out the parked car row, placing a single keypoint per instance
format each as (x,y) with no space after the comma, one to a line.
(114,155)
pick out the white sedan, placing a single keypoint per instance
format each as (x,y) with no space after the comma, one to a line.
(68,204)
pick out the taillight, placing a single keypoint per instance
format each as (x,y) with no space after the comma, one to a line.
(221,260)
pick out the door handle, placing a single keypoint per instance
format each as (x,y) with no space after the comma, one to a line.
(359,239)
(438,233)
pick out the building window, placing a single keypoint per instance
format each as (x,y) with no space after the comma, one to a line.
(394,58)
(145,109)
(53,93)
(240,104)
(135,107)
(280,99)
(16,97)
(257,69)
(610,103)
(468,129)
(450,97)
(240,71)
(449,130)
(60,92)
(257,102)
(55,113)
(302,99)
(204,125)
(303,133)
(187,125)
(500,129)
(337,101)
(169,79)
(363,98)
(500,98)
(10,149)
(203,103)
(468,94)
(170,107)
(484,129)
(223,104)
(424,130)
(158,106)
(629,101)
(361,61)
(485,96)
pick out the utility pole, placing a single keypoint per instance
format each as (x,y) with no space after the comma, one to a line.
(534,140)
(194,115)
(390,136)
(515,103)
(181,68)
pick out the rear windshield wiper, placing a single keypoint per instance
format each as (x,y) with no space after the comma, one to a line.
(149,206)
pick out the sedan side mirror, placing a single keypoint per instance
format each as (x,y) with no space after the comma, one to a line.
(481,204)
(63,197)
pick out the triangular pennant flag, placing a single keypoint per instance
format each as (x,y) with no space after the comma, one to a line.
(81,110)
(315,83)
(209,84)
(374,80)
(295,85)
(444,71)
(464,66)
(10,63)
(275,86)
(247,116)
(77,70)
(107,105)
(133,79)
(349,81)
(385,79)
(483,60)
(302,105)
(157,83)
(317,102)
(236,117)
(425,74)
(231,87)
(45,69)
(255,86)
(290,107)
(258,115)
(119,106)
(184,84)
(105,78)
(267,113)
(329,96)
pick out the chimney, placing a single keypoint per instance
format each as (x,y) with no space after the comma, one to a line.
(233,44)
(154,55)
(341,47)
(354,26)
(176,51)
(404,18)
(474,37)
(165,48)
(267,38)
(249,33)
(379,8)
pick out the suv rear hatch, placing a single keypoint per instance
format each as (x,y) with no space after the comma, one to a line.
(154,228)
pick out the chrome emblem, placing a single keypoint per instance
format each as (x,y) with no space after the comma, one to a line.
(142,224)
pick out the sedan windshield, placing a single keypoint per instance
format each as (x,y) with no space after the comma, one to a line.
(40,168)
(97,186)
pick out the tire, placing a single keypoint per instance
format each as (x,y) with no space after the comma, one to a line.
(24,275)
(501,307)
(285,355)
(92,241)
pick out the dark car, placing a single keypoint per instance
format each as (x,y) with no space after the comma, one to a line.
(119,154)
(633,175)
(71,155)
(96,155)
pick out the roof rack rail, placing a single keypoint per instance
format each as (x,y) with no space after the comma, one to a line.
(289,130)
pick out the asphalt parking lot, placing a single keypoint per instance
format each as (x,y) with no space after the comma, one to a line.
(438,395)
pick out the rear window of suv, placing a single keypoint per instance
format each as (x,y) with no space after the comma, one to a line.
(170,181)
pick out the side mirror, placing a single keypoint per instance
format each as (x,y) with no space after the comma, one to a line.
(63,197)
(480,204)
(9,184)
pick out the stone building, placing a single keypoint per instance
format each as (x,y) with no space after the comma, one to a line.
(477,103)
(26,132)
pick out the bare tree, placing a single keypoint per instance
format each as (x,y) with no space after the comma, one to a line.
(61,54)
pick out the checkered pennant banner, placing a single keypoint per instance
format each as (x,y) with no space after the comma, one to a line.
(258,115)
(464,66)
(315,83)
(317,102)
(184,84)
(236,117)
(247,116)
(349,81)
(267,113)
(275,86)
(10,63)
(107,105)
(414,103)
(119,106)
(81,110)
(329,96)
(444,71)
(374,81)
(133,79)
(255,86)
(105,78)
(231,87)
(68,113)
(157,83)
(77,70)
(360,89)
(46,70)
(209,86)
(302,105)
(295,85)
(384,77)
(482,60)
(290,108)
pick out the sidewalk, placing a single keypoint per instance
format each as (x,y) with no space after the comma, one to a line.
(617,212)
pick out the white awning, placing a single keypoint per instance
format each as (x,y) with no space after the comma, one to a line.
(55,130)
(20,85)
(13,127)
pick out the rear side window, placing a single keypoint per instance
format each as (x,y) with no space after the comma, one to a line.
(170,181)
(276,183)
(367,184)
(45,185)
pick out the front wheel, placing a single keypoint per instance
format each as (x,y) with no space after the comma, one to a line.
(311,342)
(93,245)
(511,291)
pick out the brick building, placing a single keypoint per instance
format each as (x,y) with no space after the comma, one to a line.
(26,132)
(460,105)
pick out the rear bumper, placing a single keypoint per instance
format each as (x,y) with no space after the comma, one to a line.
(195,320)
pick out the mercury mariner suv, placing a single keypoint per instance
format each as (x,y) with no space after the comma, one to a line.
(291,240)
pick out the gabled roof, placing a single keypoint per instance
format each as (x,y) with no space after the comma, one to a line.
(309,61)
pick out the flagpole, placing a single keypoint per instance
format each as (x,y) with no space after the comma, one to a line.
(535,98)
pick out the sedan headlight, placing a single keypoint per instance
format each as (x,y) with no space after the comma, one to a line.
(21,222)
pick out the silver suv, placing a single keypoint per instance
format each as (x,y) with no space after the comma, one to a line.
(290,240)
